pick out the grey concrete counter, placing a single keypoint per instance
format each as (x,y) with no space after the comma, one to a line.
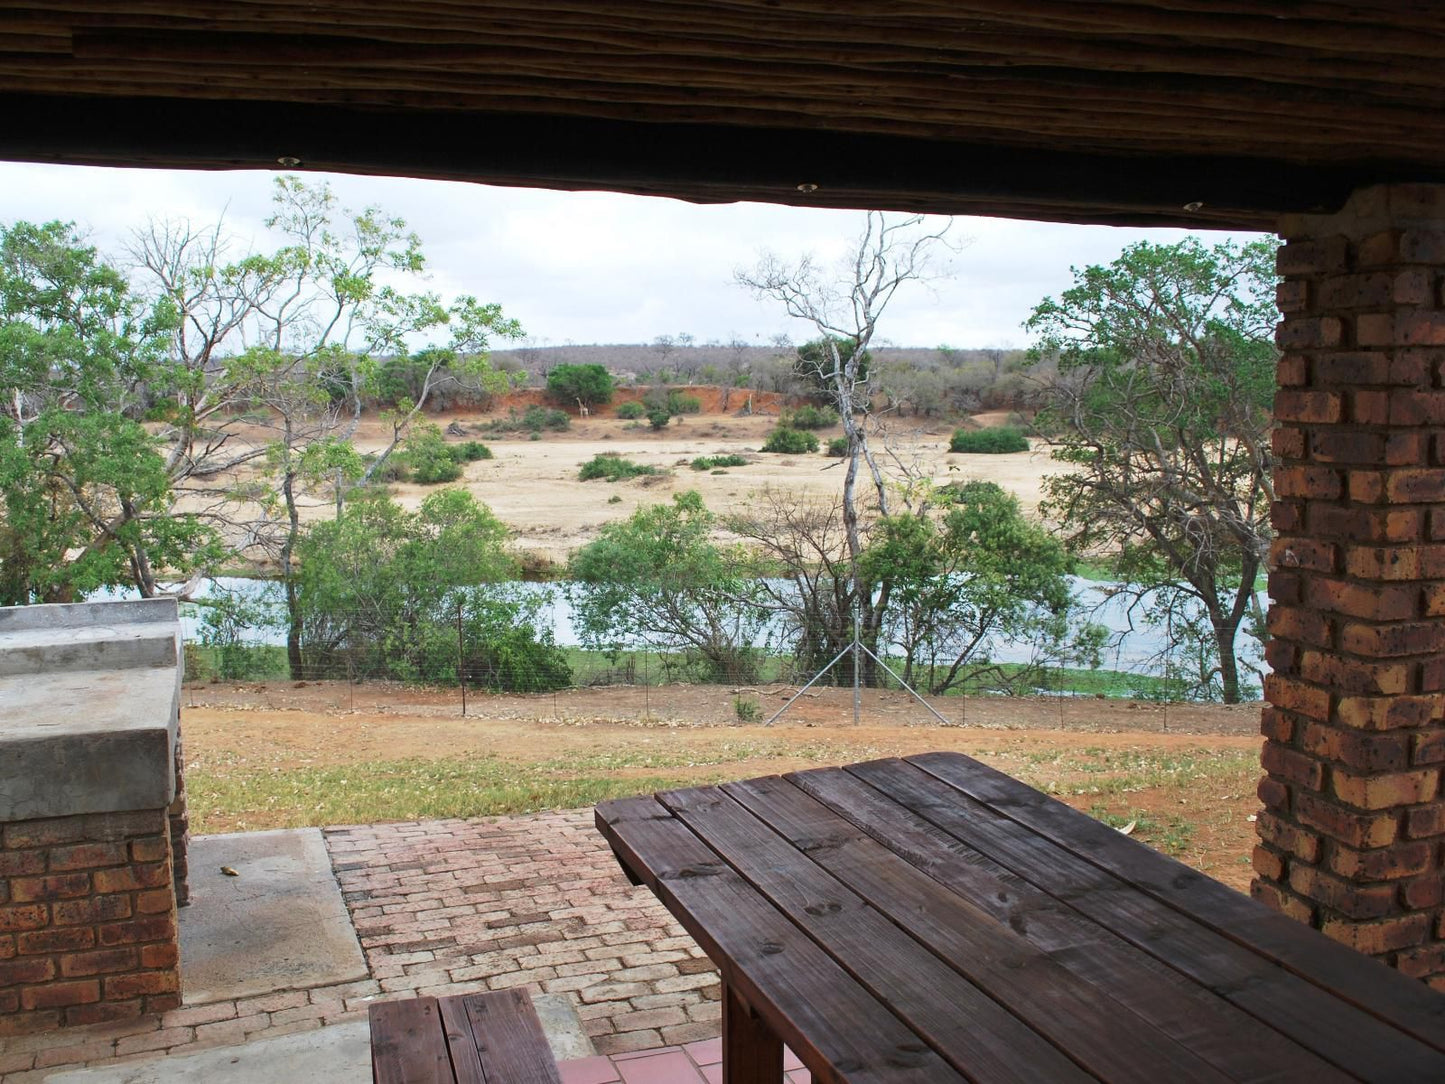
(89,704)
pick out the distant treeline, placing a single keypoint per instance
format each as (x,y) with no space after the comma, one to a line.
(914,380)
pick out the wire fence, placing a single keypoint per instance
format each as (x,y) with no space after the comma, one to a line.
(375,659)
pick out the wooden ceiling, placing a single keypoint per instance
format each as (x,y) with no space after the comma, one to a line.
(1186,112)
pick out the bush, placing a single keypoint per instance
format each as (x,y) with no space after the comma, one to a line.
(533,420)
(472,451)
(811,417)
(988,441)
(790,441)
(681,403)
(428,456)
(746,709)
(658,419)
(709,462)
(838,447)
(613,467)
(631,411)
(591,384)
(538,418)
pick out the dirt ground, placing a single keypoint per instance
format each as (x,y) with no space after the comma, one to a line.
(532,485)
(1116,758)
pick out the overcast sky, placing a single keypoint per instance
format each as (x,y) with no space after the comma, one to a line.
(607,268)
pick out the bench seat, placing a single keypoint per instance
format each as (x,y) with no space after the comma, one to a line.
(493,1038)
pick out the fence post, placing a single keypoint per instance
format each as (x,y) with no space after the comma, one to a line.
(461,660)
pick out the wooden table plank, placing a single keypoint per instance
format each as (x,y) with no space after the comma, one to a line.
(975,1034)
(1409,1004)
(831,1022)
(407,1044)
(1237,1044)
(1356,1042)
(461,1044)
(508,1036)
(1104,1038)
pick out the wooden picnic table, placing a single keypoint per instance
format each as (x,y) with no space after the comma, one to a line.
(931,919)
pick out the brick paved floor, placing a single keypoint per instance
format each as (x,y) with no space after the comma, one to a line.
(446,907)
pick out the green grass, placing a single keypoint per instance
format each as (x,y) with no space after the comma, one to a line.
(1172,837)
(1108,773)
(1112,684)
(225,792)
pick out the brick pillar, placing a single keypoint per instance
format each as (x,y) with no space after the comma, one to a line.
(178,824)
(1353,827)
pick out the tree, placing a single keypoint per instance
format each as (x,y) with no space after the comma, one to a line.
(86,494)
(590,385)
(380,590)
(972,576)
(1161,405)
(659,578)
(844,307)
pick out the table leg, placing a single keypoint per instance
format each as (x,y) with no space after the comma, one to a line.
(752,1054)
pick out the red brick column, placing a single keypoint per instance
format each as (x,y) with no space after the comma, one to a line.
(178,820)
(87,920)
(1354,823)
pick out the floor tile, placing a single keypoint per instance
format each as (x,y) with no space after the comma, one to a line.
(594,1070)
(668,1067)
(707,1052)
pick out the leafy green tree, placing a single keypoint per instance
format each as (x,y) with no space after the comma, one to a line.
(660,578)
(977,572)
(590,385)
(379,590)
(1161,406)
(88,502)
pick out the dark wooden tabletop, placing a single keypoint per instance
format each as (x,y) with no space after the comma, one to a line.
(931,919)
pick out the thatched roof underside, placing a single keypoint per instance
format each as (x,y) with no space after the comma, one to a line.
(1192,112)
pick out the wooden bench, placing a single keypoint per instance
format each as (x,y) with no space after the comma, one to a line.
(491,1038)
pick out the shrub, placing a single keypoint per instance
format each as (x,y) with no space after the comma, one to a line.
(746,709)
(658,419)
(533,420)
(472,451)
(682,403)
(592,384)
(428,456)
(838,447)
(811,417)
(708,462)
(790,441)
(631,411)
(988,441)
(613,467)
(537,418)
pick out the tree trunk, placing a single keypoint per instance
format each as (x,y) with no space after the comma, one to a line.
(288,576)
(1224,636)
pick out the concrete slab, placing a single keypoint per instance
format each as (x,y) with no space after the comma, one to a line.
(89,701)
(334,1055)
(280,924)
(565,1033)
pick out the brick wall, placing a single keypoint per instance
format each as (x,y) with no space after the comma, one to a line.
(179,824)
(87,920)
(1353,827)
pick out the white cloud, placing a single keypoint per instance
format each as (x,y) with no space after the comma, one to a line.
(603,267)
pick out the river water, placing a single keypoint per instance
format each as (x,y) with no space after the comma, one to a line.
(1134,645)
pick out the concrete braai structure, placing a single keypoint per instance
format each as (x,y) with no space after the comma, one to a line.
(92,839)
(1217,113)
